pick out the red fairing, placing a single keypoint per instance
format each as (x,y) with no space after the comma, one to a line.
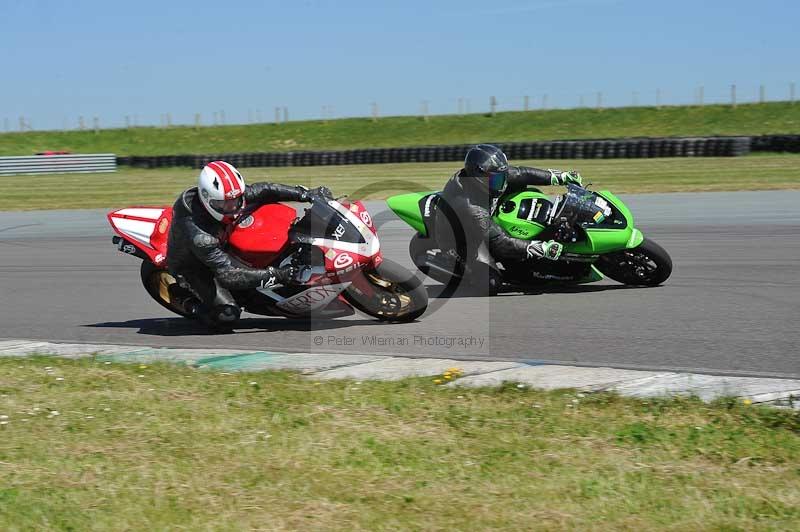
(364,215)
(146,228)
(260,237)
(359,210)
(339,263)
(161,233)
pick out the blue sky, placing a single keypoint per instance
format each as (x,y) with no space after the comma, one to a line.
(109,59)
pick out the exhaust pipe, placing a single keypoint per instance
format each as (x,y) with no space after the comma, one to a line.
(124,246)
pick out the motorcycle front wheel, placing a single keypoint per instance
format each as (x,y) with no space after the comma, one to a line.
(648,264)
(388,292)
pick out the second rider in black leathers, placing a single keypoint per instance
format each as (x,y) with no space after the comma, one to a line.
(470,199)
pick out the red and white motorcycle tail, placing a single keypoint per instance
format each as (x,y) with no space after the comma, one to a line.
(142,231)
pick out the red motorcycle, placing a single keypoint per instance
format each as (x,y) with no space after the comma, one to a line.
(334,245)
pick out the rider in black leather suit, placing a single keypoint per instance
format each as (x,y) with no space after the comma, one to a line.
(197,255)
(470,199)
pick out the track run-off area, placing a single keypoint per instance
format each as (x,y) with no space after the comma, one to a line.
(730,307)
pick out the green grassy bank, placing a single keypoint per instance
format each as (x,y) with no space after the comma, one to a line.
(751,119)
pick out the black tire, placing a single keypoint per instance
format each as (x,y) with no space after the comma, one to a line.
(156,282)
(396,294)
(648,264)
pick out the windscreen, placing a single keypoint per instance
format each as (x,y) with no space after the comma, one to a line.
(323,221)
(579,205)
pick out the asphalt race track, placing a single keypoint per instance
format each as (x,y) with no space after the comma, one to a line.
(732,305)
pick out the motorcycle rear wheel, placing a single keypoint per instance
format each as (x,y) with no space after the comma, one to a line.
(648,264)
(388,293)
(157,282)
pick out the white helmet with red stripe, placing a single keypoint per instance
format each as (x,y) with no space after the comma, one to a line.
(221,189)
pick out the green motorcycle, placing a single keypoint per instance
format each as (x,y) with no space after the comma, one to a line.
(596,228)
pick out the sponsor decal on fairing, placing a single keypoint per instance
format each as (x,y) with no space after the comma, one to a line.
(369,248)
(342,260)
(313,298)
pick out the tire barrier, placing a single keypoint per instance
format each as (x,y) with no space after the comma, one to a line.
(631,148)
(776,143)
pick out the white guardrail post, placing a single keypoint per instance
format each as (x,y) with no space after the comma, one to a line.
(58,164)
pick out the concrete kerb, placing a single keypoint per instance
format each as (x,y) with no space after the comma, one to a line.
(627,382)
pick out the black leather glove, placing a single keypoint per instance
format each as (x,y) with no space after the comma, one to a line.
(322,191)
(274,276)
(545,250)
(559,177)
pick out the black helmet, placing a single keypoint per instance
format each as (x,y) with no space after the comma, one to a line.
(489,165)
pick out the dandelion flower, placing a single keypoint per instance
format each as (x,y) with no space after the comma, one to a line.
(747,402)
(437,381)
(142,366)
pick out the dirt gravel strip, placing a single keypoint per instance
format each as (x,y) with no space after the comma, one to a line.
(472,373)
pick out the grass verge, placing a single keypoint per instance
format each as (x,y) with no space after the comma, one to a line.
(752,119)
(161,186)
(92,445)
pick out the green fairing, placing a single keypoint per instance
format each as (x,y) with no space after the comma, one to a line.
(601,237)
(406,206)
(599,240)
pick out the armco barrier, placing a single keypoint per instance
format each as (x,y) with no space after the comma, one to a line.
(631,148)
(58,164)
